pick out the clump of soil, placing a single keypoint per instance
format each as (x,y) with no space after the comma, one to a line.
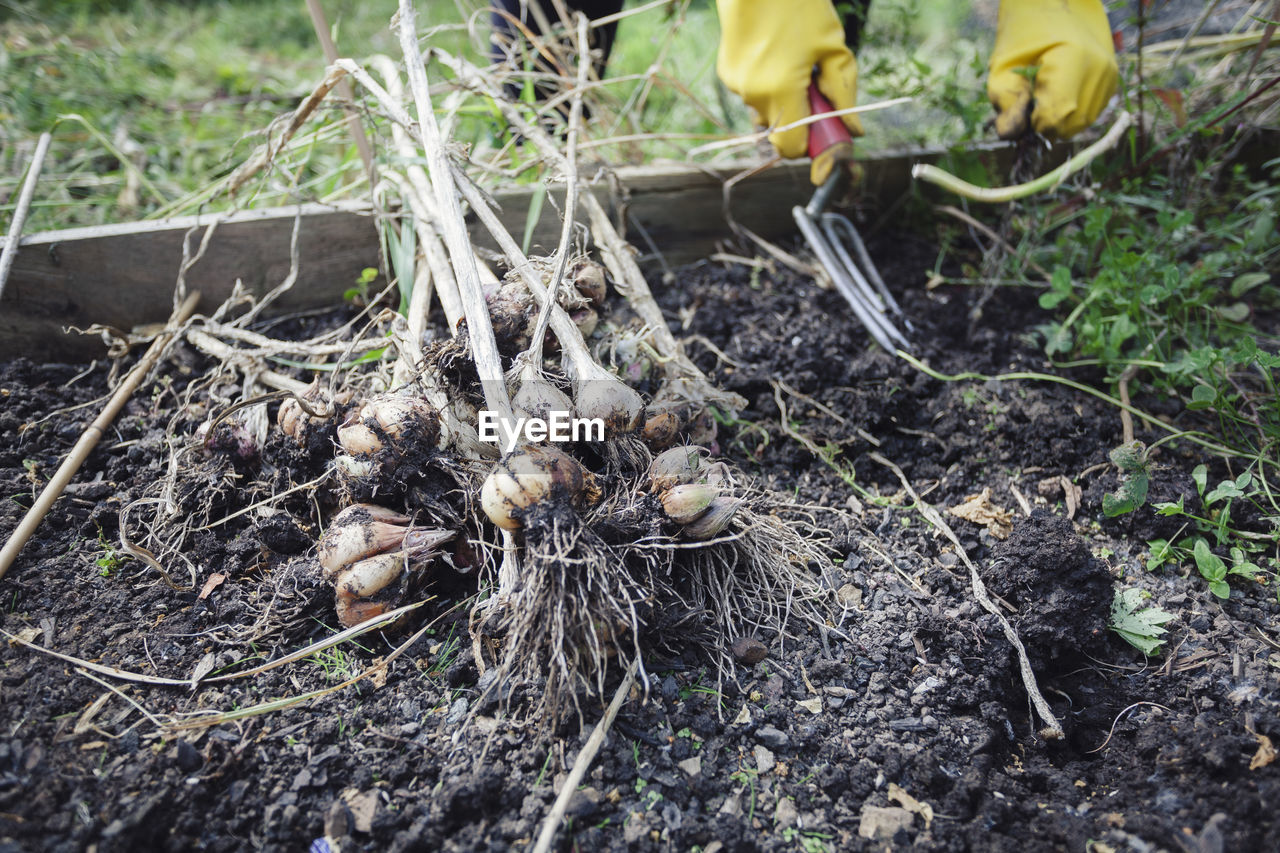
(1061,591)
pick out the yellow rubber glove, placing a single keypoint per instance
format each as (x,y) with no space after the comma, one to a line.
(1069,44)
(768,50)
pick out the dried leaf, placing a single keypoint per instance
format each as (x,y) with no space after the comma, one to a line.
(26,635)
(910,803)
(379,677)
(813,706)
(215,580)
(202,669)
(86,719)
(980,510)
(1265,755)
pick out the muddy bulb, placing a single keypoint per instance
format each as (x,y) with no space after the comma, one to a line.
(538,398)
(364,530)
(589,280)
(530,475)
(511,311)
(388,418)
(660,430)
(597,393)
(677,466)
(586,319)
(687,503)
(714,520)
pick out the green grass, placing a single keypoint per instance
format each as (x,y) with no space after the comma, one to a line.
(171,96)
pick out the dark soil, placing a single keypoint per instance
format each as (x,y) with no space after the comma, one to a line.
(916,691)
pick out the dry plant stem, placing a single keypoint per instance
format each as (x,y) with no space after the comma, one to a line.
(996,195)
(89,439)
(571,195)
(484,348)
(244,360)
(24,205)
(617,254)
(266,152)
(1052,729)
(321,26)
(570,337)
(546,836)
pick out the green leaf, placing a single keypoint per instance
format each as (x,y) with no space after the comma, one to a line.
(1170,507)
(1200,474)
(1210,564)
(534,214)
(1220,588)
(1225,489)
(1142,627)
(1202,397)
(1236,312)
(1161,553)
(1129,457)
(1244,283)
(1116,504)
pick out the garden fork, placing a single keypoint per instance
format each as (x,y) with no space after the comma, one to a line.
(831,235)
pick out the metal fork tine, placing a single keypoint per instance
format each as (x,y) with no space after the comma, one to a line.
(864,259)
(850,282)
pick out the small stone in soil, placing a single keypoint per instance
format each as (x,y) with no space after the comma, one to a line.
(749,650)
(769,736)
(764,760)
(188,757)
(880,822)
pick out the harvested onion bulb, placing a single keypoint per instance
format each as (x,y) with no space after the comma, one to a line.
(389,419)
(528,476)
(365,550)
(677,466)
(714,520)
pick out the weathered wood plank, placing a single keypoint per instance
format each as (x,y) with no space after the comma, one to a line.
(123,275)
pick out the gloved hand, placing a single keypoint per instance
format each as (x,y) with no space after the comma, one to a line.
(768,50)
(1069,44)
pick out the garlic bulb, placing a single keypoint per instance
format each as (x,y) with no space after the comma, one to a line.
(713,520)
(679,465)
(660,430)
(350,466)
(586,319)
(589,280)
(538,398)
(686,503)
(597,393)
(530,475)
(364,530)
(389,417)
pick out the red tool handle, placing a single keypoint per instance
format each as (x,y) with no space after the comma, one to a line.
(828,131)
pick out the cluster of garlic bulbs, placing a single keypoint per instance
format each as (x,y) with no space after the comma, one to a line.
(694,491)
(513,309)
(371,554)
(389,422)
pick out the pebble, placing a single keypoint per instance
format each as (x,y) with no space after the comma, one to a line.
(188,757)
(769,736)
(849,596)
(881,822)
(457,712)
(785,814)
(749,650)
(764,760)
(693,766)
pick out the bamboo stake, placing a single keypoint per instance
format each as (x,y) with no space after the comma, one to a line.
(20,212)
(552,822)
(92,435)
